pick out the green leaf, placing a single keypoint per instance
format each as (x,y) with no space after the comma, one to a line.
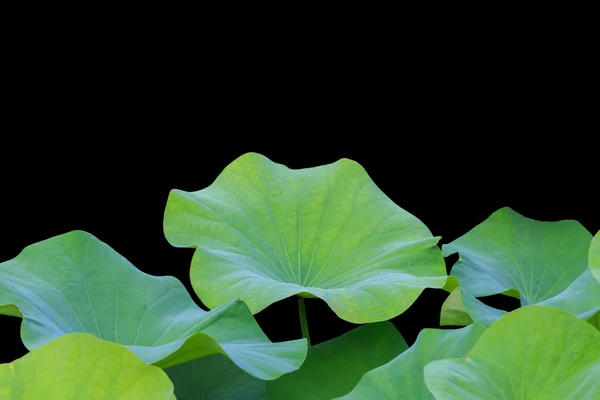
(11,310)
(453,311)
(545,262)
(264,232)
(594,262)
(214,377)
(81,366)
(402,378)
(334,367)
(76,283)
(479,311)
(451,284)
(594,256)
(534,352)
(512,293)
(581,298)
(595,321)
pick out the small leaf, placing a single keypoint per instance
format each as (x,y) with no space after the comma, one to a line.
(454,312)
(11,310)
(81,366)
(76,283)
(334,367)
(545,262)
(594,256)
(214,377)
(594,262)
(402,378)
(451,284)
(595,321)
(534,352)
(264,232)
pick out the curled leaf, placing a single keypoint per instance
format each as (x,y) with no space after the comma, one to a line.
(76,283)
(545,262)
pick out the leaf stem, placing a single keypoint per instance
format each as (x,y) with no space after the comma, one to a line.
(303,322)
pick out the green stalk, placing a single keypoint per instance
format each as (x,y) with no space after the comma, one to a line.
(303,322)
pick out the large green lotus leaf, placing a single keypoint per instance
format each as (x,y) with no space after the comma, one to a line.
(76,283)
(264,232)
(534,352)
(82,366)
(594,256)
(545,262)
(402,378)
(334,367)
(214,377)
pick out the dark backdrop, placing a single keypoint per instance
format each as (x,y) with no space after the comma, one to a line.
(100,149)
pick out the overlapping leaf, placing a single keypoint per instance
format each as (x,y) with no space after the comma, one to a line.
(214,377)
(594,262)
(535,352)
(334,367)
(594,256)
(545,262)
(454,311)
(402,378)
(76,283)
(264,232)
(82,366)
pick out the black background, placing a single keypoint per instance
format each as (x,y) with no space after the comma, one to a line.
(97,142)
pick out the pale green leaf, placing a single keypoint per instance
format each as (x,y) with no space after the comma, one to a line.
(453,311)
(81,366)
(534,352)
(594,256)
